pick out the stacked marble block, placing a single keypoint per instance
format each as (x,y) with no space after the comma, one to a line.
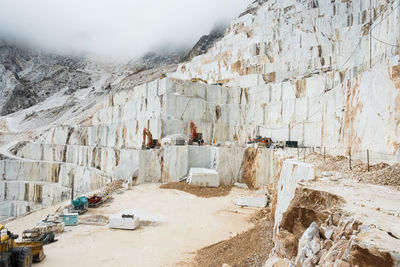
(304,78)
(170,163)
(166,107)
(27,185)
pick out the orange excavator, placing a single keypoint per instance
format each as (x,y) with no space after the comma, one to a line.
(152,143)
(195,136)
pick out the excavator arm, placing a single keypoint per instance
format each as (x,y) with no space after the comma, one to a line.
(151,143)
(147,134)
(193,130)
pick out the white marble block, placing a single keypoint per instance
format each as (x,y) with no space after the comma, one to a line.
(203,177)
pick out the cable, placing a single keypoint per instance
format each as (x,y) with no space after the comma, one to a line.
(386,43)
(380,22)
(351,55)
(384,16)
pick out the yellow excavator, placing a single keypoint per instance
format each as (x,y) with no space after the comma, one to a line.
(195,80)
(18,254)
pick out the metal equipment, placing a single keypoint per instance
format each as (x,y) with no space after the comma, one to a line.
(152,143)
(292,144)
(195,80)
(194,135)
(80,205)
(97,200)
(18,254)
(265,141)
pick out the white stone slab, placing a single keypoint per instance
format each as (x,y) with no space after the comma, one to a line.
(240,185)
(258,202)
(118,222)
(292,173)
(203,177)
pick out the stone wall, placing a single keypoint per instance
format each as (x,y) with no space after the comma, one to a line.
(310,75)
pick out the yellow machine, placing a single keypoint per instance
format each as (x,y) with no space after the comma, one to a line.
(195,80)
(18,254)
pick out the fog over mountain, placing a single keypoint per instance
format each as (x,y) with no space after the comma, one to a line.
(116,29)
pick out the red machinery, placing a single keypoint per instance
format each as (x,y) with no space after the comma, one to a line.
(194,135)
(152,143)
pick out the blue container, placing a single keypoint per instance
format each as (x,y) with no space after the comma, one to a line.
(70,219)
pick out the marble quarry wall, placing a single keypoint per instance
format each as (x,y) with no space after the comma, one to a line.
(45,178)
(287,69)
(313,73)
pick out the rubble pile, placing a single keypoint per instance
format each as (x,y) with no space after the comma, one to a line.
(316,232)
(113,187)
(250,248)
(380,174)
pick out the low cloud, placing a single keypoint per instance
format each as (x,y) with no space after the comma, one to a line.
(119,29)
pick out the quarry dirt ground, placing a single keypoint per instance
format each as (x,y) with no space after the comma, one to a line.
(205,192)
(250,248)
(183,224)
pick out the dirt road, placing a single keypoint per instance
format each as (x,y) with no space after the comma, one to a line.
(184,224)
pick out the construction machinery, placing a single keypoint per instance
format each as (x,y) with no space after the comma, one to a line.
(80,205)
(194,135)
(35,235)
(152,143)
(279,144)
(195,80)
(293,144)
(97,200)
(18,254)
(264,141)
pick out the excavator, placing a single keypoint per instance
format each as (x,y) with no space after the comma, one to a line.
(264,141)
(152,143)
(195,80)
(18,254)
(194,135)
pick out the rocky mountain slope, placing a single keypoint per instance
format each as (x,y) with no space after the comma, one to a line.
(28,77)
(208,41)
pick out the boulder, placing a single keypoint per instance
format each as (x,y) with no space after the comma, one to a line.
(124,221)
(203,177)
(258,202)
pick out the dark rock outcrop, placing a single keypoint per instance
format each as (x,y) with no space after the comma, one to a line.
(28,77)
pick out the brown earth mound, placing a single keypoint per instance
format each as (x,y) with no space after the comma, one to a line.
(113,186)
(205,192)
(261,214)
(250,248)
(249,167)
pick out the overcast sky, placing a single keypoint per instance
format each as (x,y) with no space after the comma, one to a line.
(112,28)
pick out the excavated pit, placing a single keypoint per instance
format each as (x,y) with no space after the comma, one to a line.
(308,206)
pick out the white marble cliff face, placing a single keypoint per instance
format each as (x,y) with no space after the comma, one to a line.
(292,73)
(307,72)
